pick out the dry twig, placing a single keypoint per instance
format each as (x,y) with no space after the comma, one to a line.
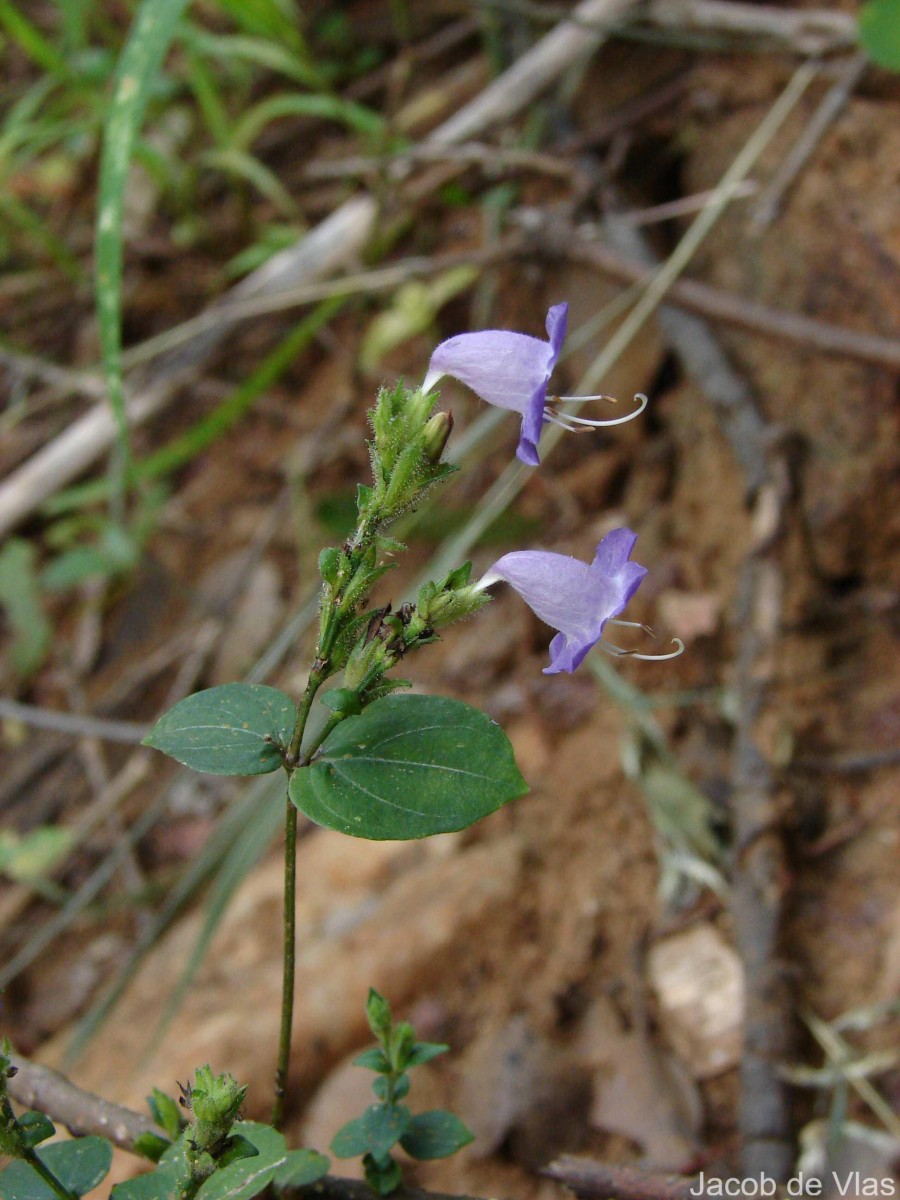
(590,1180)
(34,1086)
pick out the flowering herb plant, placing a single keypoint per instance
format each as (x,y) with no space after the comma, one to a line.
(377,762)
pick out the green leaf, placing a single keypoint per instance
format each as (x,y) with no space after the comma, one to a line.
(79,1165)
(36,1126)
(151,1146)
(166,1112)
(351,1139)
(382,1087)
(379,1128)
(435,1134)
(302,1168)
(30,857)
(408,767)
(246,1178)
(236,1148)
(167,1182)
(269,1143)
(423,1052)
(343,700)
(235,729)
(378,1014)
(373,1059)
(137,72)
(385,1125)
(879,32)
(161,1184)
(21,601)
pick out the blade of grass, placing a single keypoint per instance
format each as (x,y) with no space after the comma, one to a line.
(203,84)
(243,166)
(261,52)
(141,59)
(31,224)
(31,40)
(327,108)
(275,19)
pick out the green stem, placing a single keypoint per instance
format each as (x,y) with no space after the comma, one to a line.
(47,1175)
(287,982)
(316,679)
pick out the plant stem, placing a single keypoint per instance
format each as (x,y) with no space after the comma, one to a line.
(47,1175)
(315,681)
(287,982)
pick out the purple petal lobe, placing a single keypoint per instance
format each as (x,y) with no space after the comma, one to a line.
(557,322)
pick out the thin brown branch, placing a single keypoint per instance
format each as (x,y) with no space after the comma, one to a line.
(493,159)
(591,1179)
(81,1112)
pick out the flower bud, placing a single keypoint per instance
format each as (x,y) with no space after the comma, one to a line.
(436,435)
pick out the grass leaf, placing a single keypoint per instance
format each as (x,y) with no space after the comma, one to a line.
(148,41)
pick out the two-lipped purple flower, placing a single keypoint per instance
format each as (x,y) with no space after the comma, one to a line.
(511,370)
(572,596)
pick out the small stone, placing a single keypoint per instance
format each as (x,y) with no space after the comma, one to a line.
(699,984)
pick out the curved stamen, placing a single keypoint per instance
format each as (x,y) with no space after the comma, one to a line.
(563,421)
(643,402)
(618,652)
(581,399)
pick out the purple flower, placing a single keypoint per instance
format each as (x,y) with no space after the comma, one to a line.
(574,597)
(508,369)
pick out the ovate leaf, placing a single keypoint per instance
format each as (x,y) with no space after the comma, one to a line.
(409,767)
(236,729)
(379,1128)
(79,1165)
(246,1178)
(22,604)
(302,1168)
(435,1134)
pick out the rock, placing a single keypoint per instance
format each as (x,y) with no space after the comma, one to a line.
(699,984)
